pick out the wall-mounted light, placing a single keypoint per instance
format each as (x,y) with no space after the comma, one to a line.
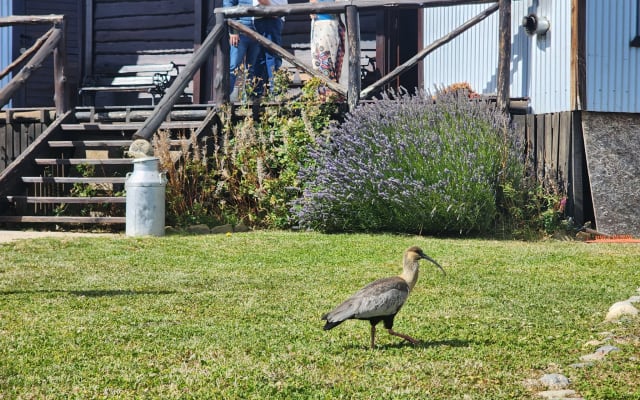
(535,25)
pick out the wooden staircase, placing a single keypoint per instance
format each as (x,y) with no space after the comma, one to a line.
(75,171)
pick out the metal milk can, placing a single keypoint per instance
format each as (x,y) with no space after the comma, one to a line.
(145,207)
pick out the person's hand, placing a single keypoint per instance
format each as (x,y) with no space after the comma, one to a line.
(234,40)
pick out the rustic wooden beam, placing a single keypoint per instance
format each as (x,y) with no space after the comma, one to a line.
(30,19)
(36,46)
(36,62)
(426,51)
(222,81)
(579,54)
(504,56)
(274,48)
(61,92)
(353,44)
(337,7)
(153,122)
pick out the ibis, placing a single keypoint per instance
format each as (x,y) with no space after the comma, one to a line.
(382,299)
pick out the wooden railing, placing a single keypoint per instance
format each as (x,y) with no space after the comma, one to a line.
(53,41)
(218,40)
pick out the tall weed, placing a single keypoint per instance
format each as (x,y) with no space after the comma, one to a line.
(251,173)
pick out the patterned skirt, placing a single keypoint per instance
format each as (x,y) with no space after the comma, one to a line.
(327,47)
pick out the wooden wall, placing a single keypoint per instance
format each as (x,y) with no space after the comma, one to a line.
(38,91)
(18,130)
(127,32)
(555,146)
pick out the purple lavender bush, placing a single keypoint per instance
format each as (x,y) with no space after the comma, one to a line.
(427,164)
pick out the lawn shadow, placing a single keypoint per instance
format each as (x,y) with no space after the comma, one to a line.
(90,293)
(113,293)
(403,343)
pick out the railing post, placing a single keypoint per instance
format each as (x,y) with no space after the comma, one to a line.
(61,96)
(221,70)
(171,96)
(34,63)
(353,43)
(504,56)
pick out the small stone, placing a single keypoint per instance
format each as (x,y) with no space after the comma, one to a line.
(583,236)
(556,394)
(241,227)
(593,343)
(634,299)
(620,309)
(604,350)
(592,357)
(200,229)
(140,148)
(170,230)
(227,228)
(555,381)
(600,353)
(581,365)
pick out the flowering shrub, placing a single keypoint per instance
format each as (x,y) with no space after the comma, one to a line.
(415,164)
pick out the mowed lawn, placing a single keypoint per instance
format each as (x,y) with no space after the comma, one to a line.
(238,317)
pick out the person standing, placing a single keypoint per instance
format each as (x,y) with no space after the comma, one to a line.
(271,28)
(244,50)
(327,44)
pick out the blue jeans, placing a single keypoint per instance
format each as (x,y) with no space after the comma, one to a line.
(268,63)
(248,48)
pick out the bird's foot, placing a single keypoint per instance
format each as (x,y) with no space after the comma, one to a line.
(405,337)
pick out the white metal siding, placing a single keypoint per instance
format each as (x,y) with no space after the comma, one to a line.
(613,66)
(5,41)
(540,67)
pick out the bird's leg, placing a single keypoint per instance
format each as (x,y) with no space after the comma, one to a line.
(405,337)
(373,336)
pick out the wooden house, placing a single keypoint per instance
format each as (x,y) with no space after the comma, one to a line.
(581,92)
(578,64)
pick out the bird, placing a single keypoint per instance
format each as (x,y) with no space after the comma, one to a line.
(382,299)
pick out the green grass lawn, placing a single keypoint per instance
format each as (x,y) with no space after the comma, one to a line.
(239,317)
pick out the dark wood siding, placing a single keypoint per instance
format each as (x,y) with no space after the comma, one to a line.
(38,91)
(129,32)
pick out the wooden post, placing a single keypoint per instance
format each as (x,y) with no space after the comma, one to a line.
(172,95)
(61,96)
(221,78)
(504,60)
(353,44)
(36,62)
(199,28)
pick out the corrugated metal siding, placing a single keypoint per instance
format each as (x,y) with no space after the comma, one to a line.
(540,66)
(5,41)
(613,67)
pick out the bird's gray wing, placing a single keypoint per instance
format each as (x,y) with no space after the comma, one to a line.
(380,298)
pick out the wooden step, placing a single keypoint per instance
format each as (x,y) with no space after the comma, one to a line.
(66,200)
(128,126)
(90,143)
(68,179)
(61,219)
(104,143)
(85,161)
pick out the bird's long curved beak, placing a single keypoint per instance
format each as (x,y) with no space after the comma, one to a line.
(426,257)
